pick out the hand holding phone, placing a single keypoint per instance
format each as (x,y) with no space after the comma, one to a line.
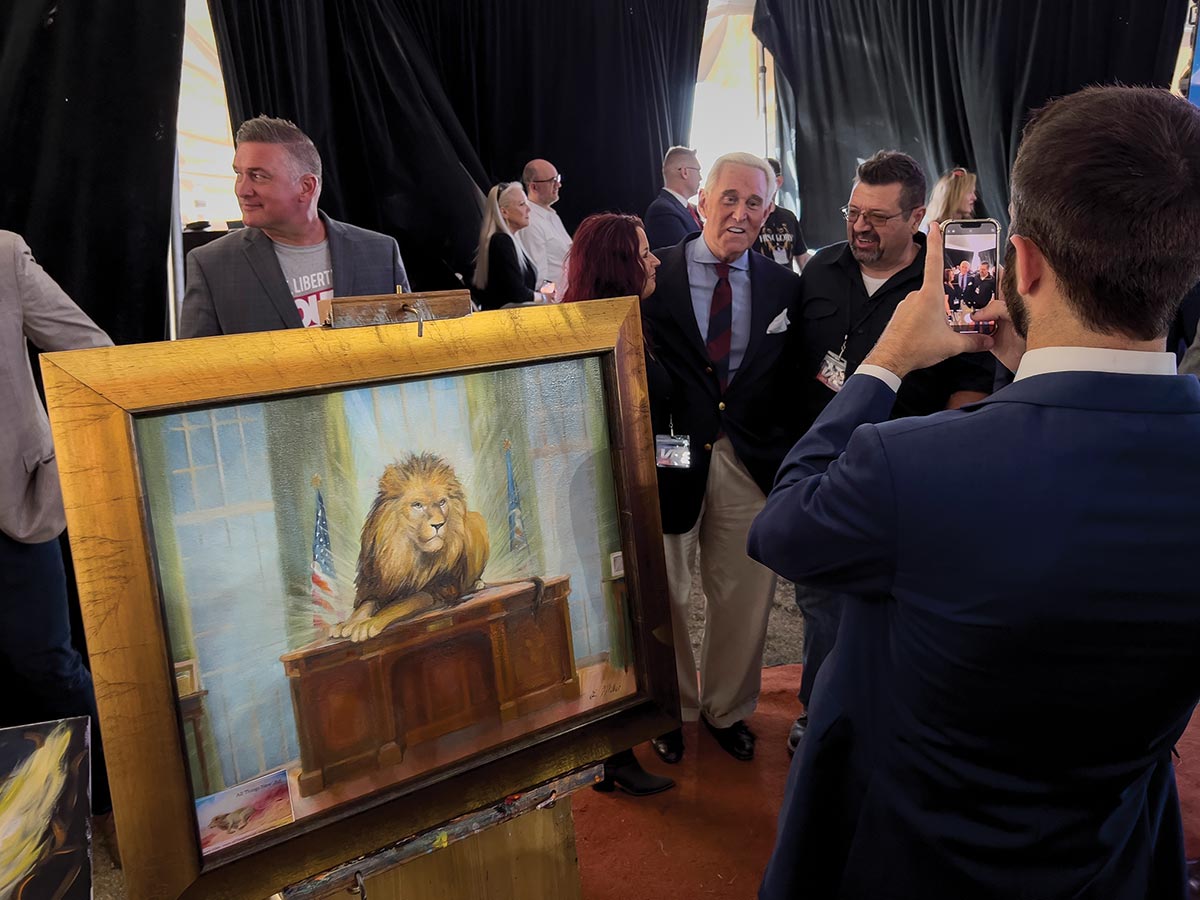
(970,254)
(917,335)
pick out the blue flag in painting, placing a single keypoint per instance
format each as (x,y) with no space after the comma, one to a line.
(516,521)
(324,597)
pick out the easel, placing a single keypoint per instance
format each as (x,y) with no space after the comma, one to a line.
(522,847)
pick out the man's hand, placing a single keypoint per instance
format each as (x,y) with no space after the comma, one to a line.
(1008,346)
(918,336)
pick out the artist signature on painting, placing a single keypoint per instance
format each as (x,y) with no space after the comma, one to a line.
(606,691)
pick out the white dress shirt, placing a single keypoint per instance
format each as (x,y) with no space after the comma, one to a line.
(1045,360)
(547,242)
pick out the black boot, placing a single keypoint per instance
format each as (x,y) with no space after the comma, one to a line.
(623,771)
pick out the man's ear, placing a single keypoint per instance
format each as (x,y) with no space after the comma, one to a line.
(918,216)
(310,185)
(1032,268)
(701,201)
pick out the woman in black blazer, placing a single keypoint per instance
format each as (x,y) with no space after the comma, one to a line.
(504,273)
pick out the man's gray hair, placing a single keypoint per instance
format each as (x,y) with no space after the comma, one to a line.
(742,159)
(301,149)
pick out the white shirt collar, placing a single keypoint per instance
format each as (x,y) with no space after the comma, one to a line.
(1094,359)
(683,201)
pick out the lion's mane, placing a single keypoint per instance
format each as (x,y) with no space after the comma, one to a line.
(391,566)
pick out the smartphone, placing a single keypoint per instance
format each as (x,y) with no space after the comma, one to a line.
(971,252)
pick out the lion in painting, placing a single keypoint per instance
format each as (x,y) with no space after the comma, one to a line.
(421,547)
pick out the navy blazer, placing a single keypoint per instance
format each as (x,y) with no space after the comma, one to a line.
(667,223)
(235,284)
(962,740)
(759,415)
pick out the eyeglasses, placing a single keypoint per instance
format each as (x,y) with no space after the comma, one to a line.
(557,179)
(695,169)
(877,219)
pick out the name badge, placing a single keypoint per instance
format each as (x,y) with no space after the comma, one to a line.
(833,371)
(672,451)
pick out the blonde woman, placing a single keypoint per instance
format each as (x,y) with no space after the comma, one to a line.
(953,197)
(504,273)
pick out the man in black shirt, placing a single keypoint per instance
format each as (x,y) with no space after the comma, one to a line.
(985,287)
(781,238)
(847,296)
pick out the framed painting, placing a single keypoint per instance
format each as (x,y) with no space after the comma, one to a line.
(343,585)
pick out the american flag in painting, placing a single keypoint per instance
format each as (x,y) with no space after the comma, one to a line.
(516,519)
(324,597)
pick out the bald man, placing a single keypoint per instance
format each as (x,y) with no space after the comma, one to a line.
(546,239)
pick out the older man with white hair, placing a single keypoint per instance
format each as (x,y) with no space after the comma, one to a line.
(719,323)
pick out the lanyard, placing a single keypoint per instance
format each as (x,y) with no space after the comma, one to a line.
(871,307)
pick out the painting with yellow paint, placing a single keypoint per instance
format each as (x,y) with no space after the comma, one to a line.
(45,803)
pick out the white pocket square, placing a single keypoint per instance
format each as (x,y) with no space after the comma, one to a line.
(779,324)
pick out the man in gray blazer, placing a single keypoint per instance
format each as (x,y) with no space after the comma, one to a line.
(270,274)
(43,675)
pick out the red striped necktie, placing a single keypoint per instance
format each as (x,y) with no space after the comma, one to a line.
(695,215)
(720,325)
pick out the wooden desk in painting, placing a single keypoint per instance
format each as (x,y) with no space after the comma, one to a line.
(500,654)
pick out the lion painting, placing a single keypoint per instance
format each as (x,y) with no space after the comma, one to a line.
(421,547)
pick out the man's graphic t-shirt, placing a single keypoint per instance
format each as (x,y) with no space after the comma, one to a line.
(309,275)
(781,237)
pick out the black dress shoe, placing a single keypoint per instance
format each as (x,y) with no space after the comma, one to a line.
(669,746)
(1193,879)
(737,740)
(797,732)
(626,773)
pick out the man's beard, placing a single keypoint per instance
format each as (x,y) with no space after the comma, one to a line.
(1012,298)
(867,256)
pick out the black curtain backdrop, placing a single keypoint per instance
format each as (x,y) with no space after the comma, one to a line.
(354,78)
(601,89)
(88,98)
(418,105)
(949,83)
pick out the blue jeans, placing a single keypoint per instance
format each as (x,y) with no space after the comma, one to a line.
(822,611)
(43,675)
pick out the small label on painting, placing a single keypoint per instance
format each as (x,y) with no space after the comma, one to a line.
(244,811)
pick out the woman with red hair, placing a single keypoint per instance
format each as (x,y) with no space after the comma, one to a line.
(610,257)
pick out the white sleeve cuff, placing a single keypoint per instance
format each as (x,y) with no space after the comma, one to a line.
(891,379)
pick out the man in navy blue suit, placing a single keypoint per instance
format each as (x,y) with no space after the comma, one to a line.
(719,325)
(671,216)
(961,742)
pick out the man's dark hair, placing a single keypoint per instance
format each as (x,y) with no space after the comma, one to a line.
(894,167)
(300,148)
(774,164)
(1115,210)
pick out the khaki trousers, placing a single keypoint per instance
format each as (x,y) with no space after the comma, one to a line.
(739,593)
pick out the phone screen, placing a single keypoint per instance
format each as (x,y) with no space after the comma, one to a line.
(969,278)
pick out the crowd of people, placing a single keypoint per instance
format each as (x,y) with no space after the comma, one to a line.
(954,736)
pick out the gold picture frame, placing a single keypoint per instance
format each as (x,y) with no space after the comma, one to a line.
(98,399)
